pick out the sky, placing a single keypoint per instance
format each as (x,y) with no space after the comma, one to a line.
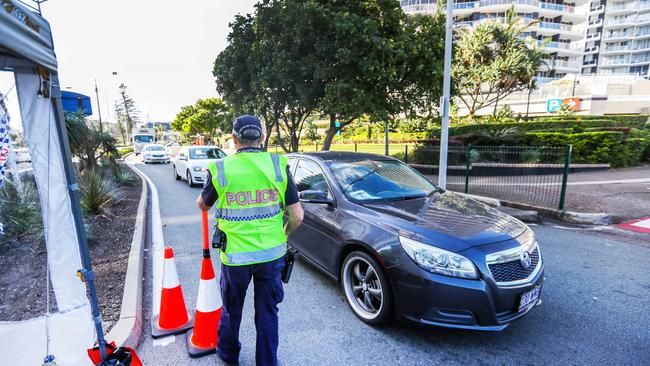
(162,50)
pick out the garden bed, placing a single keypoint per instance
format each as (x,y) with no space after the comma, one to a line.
(23,263)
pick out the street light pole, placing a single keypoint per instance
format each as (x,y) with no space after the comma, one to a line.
(444,101)
(99,109)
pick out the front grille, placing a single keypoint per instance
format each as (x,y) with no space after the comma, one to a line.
(513,270)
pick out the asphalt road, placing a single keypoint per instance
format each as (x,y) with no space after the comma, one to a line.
(595,310)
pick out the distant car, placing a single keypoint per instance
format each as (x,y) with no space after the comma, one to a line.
(192,162)
(400,246)
(23,155)
(154,153)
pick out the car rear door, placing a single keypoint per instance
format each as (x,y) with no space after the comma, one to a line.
(318,237)
(181,165)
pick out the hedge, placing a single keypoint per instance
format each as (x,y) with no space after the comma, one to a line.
(630,120)
(125,150)
(544,125)
(594,147)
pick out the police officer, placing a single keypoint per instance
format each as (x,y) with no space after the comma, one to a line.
(252,190)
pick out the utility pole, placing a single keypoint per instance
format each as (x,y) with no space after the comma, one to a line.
(99,109)
(444,101)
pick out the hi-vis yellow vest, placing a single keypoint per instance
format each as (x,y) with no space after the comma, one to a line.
(251,188)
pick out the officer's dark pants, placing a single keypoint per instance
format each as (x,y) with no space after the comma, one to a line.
(268,294)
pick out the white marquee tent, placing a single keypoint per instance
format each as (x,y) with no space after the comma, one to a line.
(26,49)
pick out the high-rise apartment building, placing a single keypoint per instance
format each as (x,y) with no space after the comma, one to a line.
(586,36)
(621,41)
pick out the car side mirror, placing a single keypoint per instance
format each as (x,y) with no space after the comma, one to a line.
(182,157)
(315,196)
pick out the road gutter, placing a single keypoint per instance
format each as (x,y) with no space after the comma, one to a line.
(157,242)
(128,328)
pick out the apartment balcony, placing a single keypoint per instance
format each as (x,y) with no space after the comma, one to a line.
(420,8)
(468,8)
(566,66)
(565,30)
(642,32)
(591,50)
(595,23)
(562,49)
(589,63)
(593,37)
(624,8)
(618,36)
(639,60)
(597,10)
(612,50)
(636,48)
(617,62)
(629,21)
(643,19)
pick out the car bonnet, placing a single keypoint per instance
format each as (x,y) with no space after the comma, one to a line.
(450,220)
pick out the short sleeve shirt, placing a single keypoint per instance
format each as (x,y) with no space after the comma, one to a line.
(210,195)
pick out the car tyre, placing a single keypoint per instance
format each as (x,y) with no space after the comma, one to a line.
(366,288)
(190,181)
(176,176)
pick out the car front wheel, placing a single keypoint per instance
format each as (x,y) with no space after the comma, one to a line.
(176,176)
(366,288)
(190,182)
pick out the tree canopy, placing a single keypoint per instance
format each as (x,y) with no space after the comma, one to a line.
(210,117)
(493,60)
(336,58)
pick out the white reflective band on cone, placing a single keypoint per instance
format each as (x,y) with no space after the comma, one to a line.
(209,298)
(170,276)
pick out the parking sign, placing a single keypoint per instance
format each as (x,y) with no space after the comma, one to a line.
(552,105)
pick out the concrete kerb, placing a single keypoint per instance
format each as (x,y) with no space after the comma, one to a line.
(529,212)
(588,218)
(128,329)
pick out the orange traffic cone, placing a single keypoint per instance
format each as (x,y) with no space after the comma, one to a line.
(202,340)
(173,317)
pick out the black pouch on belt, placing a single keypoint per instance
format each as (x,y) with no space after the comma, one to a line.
(219,239)
(289,258)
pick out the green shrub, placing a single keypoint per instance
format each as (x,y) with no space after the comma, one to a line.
(123,151)
(97,192)
(594,147)
(540,125)
(20,211)
(531,156)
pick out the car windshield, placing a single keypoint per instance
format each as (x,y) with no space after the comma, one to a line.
(199,153)
(375,180)
(155,148)
(143,138)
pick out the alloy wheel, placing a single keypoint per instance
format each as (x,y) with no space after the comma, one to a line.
(363,288)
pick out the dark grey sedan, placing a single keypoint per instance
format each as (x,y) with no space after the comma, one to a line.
(400,246)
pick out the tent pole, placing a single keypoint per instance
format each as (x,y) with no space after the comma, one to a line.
(86,273)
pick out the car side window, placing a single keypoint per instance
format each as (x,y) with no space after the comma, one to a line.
(290,162)
(309,176)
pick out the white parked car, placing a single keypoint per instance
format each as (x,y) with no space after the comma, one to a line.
(22,155)
(154,153)
(192,162)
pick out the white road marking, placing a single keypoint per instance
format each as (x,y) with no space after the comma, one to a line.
(164,341)
(644,224)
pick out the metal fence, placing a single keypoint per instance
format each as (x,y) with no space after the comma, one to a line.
(535,175)
(525,174)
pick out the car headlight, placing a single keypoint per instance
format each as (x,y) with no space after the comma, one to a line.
(197,169)
(438,260)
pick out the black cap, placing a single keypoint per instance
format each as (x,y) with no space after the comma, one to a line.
(247,127)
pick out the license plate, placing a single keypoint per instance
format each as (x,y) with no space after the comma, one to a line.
(528,298)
